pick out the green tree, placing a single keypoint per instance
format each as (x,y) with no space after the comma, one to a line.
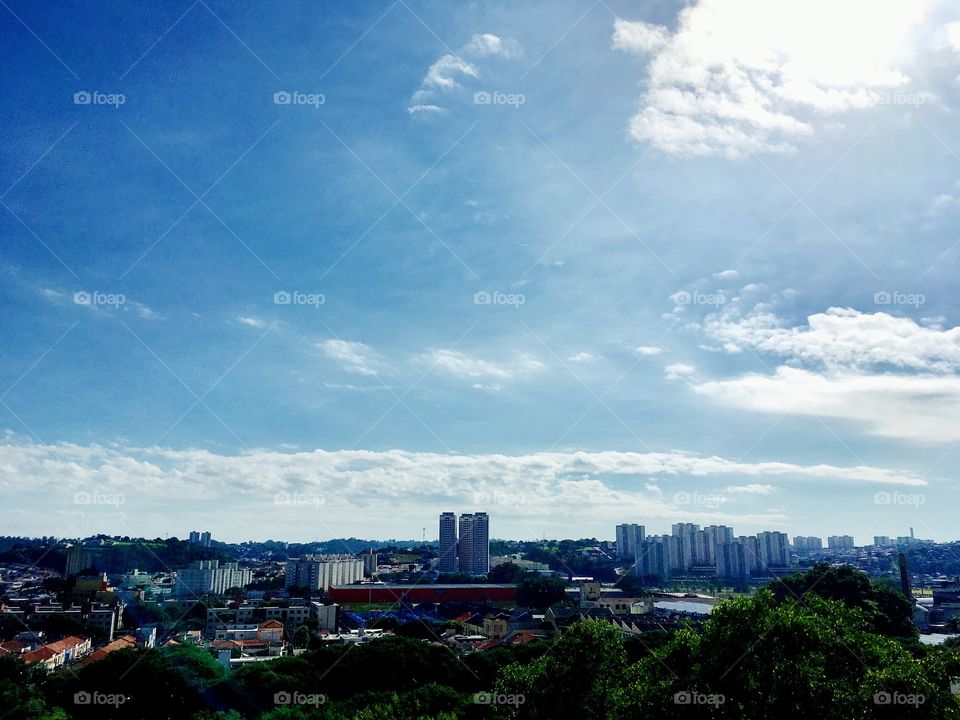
(889,611)
(581,677)
(540,592)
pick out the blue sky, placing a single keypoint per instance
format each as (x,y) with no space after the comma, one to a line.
(304,271)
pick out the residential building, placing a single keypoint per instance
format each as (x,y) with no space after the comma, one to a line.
(751,553)
(447,562)
(474,546)
(630,538)
(319,572)
(807,544)
(774,549)
(79,559)
(732,561)
(840,542)
(209,576)
(371,561)
(655,557)
(200,538)
(685,534)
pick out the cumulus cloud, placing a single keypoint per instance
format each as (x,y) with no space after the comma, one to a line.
(648,350)
(895,376)
(745,76)
(677,371)
(451,71)
(842,338)
(486,44)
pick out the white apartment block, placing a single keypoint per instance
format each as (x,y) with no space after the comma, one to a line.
(209,576)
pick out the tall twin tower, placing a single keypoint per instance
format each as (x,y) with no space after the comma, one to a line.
(471,554)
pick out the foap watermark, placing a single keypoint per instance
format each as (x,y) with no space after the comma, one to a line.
(490,698)
(287,499)
(685,297)
(486,97)
(95,97)
(285,697)
(498,498)
(687,697)
(295,297)
(485,297)
(99,299)
(898,698)
(295,97)
(84,697)
(899,97)
(886,297)
(95,497)
(710,500)
(899,498)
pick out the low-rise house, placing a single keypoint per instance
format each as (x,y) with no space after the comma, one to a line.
(56,654)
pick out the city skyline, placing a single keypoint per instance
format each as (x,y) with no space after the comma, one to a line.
(328,272)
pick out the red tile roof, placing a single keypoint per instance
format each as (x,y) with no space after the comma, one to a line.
(119,644)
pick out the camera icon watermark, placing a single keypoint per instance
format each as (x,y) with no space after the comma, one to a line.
(295,97)
(95,97)
(710,500)
(286,499)
(686,697)
(898,698)
(295,297)
(285,697)
(487,97)
(485,297)
(83,697)
(95,497)
(686,297)
(98,299)
(489,698)
(498,498)
(895,297)
(899,498)
(899,97)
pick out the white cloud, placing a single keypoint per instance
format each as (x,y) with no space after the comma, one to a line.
(953,35)
(584,358)
(638,37)
(727,275)
(168,490)
(485,44)
(426,109)
(446,73)
(467,366)
(919,408)
(352,356)
(751,489)
(894,376)
(51,294)
(449,73)
(251,321)
(678,370)
(842,338)
(745,76)
(648,350)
